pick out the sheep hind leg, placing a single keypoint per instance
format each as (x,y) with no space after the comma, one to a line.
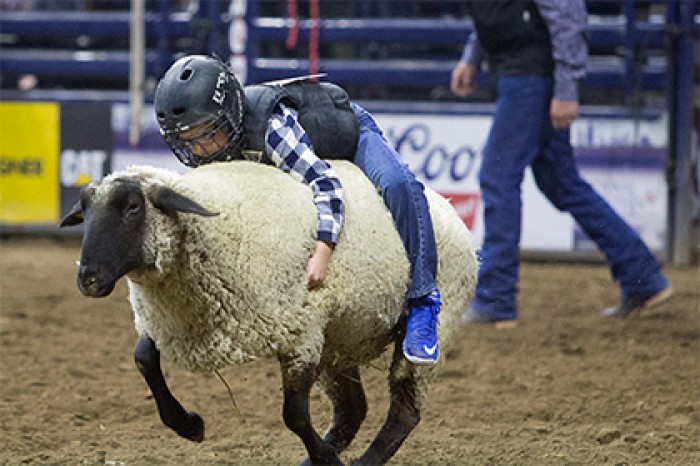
(344,388)
(185,424)
(403,417)
(297,382)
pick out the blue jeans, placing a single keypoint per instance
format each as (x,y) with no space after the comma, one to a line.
(522,136)
(404,197)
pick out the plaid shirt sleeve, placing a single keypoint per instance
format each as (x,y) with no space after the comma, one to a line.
(289,147)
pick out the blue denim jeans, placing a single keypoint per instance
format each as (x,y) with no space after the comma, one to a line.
(522,136)
(404,197)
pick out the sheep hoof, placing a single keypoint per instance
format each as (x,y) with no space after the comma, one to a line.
(367,459)
(192,428)
(330,458)
(307,462)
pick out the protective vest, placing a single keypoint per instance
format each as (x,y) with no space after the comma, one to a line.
(514,37)
(324,112)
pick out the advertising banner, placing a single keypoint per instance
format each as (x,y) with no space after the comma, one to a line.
(86,147)
(622,159)
(29,145)
(48,151)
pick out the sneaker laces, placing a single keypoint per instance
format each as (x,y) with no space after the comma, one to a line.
(424,327)
(425,315)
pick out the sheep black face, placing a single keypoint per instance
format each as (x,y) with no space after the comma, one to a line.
(112,237)
(114,228)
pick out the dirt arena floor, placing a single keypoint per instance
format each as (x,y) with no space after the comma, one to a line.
(565,387)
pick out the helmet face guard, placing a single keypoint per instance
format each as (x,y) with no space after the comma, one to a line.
(214,140)
(199,106)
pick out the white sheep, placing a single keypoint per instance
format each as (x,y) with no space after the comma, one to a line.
(211,290)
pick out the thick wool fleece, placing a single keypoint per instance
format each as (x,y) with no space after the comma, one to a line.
(228,289)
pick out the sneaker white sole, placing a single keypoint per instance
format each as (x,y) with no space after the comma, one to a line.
(420,362)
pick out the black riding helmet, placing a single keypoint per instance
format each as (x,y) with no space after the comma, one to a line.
(200,91)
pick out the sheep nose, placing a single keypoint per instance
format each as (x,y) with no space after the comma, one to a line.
(87,280)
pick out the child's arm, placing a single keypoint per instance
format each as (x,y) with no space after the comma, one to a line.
(317,264)
(289,147)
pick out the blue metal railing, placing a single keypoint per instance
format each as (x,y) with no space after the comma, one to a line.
(21,56)
(627,40)
(626,65)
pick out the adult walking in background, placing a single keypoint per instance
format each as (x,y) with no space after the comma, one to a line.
(537,51)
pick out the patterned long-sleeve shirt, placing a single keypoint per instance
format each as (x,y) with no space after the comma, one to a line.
(290,149)
(566,22)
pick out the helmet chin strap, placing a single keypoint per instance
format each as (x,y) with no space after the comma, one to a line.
(233,149)
(227,154)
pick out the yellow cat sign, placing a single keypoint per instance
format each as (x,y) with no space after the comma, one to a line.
(29,148)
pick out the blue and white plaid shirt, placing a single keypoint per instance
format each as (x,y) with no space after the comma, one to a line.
(289,147)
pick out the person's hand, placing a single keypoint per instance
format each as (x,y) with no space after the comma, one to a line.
(462,83)
(563,113)
(317,265)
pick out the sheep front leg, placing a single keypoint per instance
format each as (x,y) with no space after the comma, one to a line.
(185,424)
(297,382)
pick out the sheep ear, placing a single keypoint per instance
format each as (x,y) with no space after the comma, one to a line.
(74,217)
(170,202)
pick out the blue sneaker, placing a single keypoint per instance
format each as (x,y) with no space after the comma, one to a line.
(420,344)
